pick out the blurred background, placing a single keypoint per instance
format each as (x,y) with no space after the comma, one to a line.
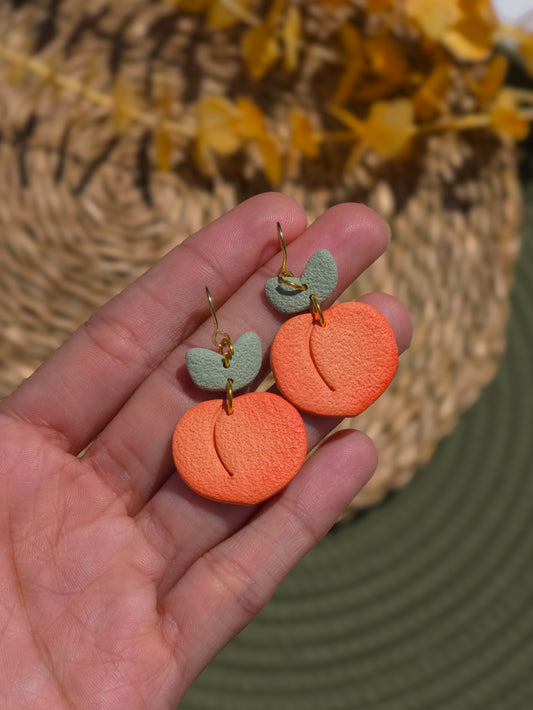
(126,125)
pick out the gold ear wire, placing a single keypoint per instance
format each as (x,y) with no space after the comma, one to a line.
(225,346)
(284,275)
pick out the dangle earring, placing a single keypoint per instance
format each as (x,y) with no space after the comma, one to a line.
(334,362)
(239,449)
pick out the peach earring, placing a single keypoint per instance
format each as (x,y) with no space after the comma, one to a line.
(239,449)
(334,362)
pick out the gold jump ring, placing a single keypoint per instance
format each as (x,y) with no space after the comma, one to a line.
(315,308)
(229,396)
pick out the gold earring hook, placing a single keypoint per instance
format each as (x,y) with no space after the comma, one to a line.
(226,340)
(284,275)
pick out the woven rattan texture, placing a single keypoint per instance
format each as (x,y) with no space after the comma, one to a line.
(425,601)
(82,212)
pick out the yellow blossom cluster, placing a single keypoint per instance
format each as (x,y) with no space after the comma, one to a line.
(388,88)
(395,68)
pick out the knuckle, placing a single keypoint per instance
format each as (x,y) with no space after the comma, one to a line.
(115,338)
(113,465)
(236,581)
(302,519)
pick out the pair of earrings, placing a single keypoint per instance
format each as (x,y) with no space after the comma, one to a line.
(331,363)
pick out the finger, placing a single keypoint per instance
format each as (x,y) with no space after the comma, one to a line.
(223,590)
(80,388)
(175,513)
(133,453)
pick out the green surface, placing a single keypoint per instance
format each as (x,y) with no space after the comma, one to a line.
(425,602)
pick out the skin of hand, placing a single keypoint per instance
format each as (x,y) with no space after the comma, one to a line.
(118,584)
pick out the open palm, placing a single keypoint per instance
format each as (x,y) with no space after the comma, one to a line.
(117,582)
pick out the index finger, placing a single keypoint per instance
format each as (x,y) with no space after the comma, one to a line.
(86,382)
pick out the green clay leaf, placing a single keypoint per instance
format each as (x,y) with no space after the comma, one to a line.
(206,367)
(321,277)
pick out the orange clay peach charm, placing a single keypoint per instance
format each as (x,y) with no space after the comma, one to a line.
(342,367)
(242,449)
(244,457)
(331,363)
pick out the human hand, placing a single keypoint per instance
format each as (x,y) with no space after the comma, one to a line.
(117,582)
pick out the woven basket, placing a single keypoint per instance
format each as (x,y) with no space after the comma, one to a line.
(83,211)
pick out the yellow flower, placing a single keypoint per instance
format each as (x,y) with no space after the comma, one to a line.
(488,87)
(251,119)
(271,157)
(260,49)
(434,17)
(467,28)
(524,45)
(389,126)
(374,66)
(303,138)
(260,45)
(291,37)
(525,49)
(354,62)
(223,14)
(429,99)
(253,130)
(387,58)
(472,38)
(224,127)
(388,129)
(217,131)
(505,116)
(387,67)
(218,125)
